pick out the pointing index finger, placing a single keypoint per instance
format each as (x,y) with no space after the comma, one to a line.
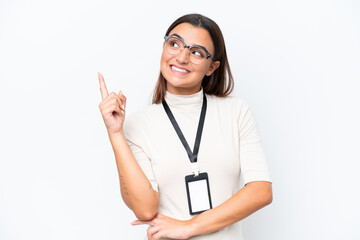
(103,89)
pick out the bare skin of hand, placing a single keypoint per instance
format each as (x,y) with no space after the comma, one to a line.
(166,227)
(112,108)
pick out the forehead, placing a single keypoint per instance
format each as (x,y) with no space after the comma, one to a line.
(194,35)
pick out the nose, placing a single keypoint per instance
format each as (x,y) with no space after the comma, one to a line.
(183,56)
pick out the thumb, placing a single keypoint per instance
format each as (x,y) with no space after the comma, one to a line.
(123,99)
(136,222)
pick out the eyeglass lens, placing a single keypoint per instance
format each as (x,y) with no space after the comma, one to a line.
(174,46)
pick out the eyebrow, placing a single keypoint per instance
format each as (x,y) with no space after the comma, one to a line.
(196,45)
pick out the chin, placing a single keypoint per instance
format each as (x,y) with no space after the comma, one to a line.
(175,81)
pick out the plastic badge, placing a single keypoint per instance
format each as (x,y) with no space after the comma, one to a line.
(198,193)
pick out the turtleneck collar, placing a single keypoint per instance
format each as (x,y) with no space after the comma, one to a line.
(193,101)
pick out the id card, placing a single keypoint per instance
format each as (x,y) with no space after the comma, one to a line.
(198,193)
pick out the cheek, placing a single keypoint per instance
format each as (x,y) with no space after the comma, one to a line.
(162,63)
(204,69)
(164,59)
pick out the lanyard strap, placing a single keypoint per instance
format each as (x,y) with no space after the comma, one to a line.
(192,155)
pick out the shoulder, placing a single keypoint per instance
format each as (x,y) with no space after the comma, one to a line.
(139,120)
(143,115)
(232,103)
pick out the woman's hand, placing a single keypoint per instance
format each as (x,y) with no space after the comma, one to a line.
(112,108)
(166,227)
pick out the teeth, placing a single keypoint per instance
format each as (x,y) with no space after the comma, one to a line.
(179,69)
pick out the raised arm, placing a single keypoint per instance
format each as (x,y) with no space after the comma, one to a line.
(136,189)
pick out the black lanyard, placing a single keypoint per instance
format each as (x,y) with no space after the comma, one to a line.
(192,155)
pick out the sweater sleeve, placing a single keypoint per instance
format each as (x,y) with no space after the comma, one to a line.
(134,138)
(253,163)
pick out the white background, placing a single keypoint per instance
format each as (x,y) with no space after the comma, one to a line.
(295,62)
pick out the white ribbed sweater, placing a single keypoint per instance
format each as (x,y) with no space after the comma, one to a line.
(230,148)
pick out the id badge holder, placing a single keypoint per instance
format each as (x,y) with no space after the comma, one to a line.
(198,193)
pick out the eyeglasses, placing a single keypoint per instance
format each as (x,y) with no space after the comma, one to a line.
(198,54)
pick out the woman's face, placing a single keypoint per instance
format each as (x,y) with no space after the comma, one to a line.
(188,79)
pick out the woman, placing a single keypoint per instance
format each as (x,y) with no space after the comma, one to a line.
(183,193)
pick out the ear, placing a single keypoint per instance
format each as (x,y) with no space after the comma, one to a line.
(213,67)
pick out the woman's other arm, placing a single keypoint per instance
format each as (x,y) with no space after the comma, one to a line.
(256,194)
(136,189)
(246,201)
(249,199)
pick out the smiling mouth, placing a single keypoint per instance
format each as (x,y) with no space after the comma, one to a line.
(177,69)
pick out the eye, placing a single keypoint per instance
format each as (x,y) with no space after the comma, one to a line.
(198,52)
(174,44)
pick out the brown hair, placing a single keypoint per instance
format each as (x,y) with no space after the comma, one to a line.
(220,82)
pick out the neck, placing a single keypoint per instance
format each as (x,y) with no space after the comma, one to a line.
(183,91)
(186,102)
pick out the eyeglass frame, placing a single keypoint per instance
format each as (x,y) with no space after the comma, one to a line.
(208,55)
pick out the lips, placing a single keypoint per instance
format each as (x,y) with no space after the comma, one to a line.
(179,69)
